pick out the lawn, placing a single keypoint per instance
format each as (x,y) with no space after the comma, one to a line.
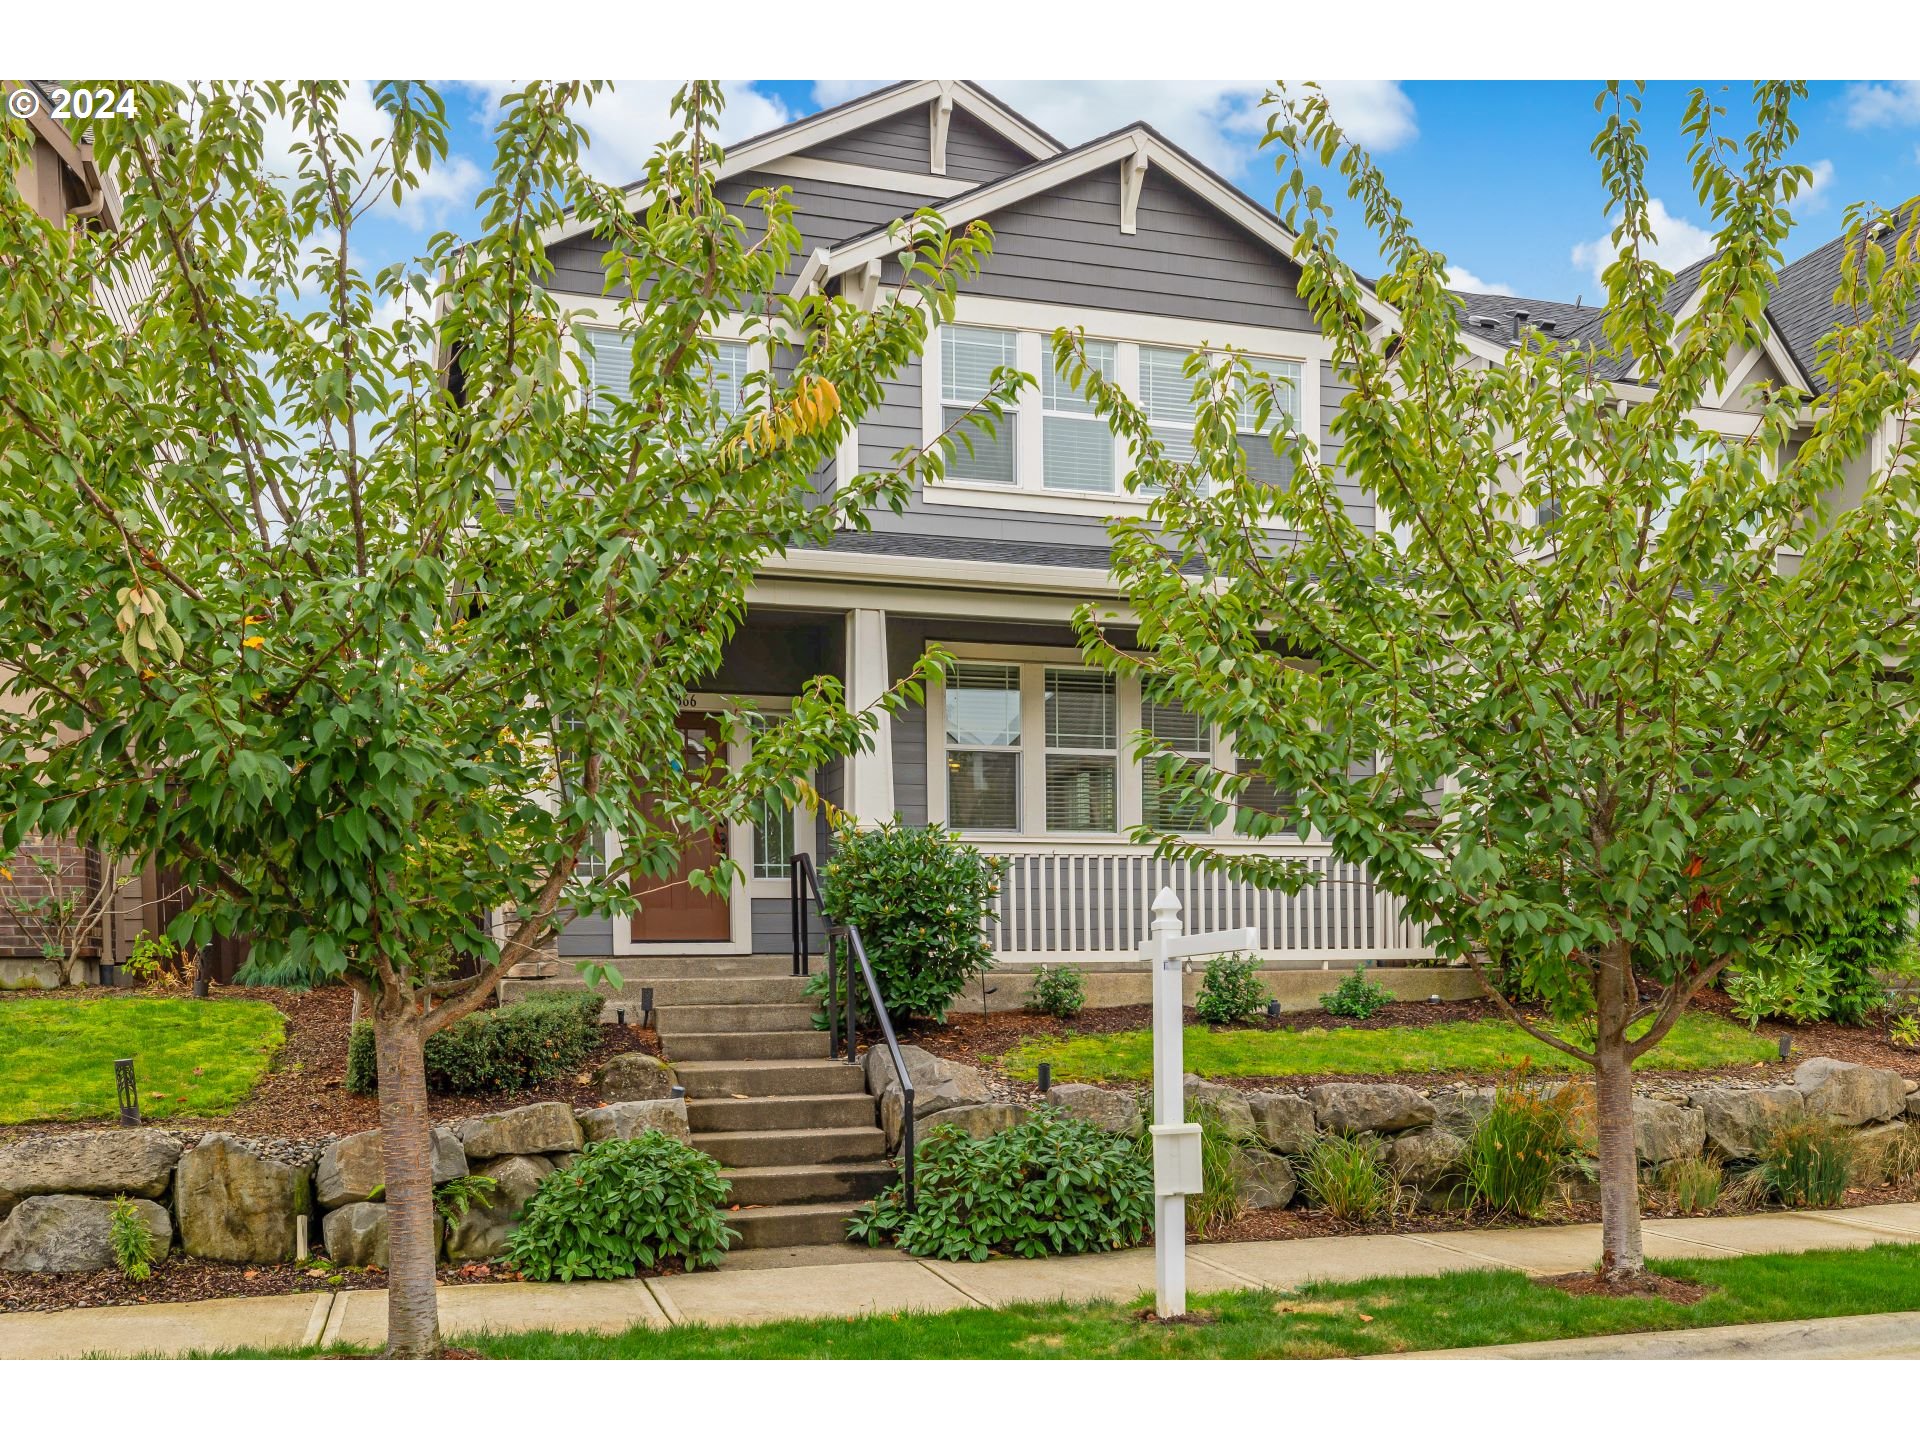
(190,1057)
(1700,1041)
(1370,1317)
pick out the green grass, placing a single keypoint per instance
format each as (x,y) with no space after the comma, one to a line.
(1371,1317)
(1698,1042)
(190,1057)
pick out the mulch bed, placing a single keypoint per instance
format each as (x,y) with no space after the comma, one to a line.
(303,1095)
(183,1278)
(1647,1285)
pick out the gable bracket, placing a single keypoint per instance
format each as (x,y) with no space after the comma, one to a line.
(1133,172)
(862,286)
(940,115)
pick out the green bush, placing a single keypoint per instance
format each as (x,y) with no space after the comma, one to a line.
(919,896)
(1806,1163)
(1347,1177)
(1356,997)
(131,1241)
(1059,991)
(1514,1153)
(1052,1185)
(1799,987)
(515,1047)
(622,1207)
(1838,972)
(1230,991)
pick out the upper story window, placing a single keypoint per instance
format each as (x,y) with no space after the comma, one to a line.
(1076,446)
(609,356)
(1282,379)
(968,358)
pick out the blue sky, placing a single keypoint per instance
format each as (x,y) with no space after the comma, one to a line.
(1495,173)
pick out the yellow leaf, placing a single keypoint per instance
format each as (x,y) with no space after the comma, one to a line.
(254,642)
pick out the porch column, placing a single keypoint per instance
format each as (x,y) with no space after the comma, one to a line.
(869,788)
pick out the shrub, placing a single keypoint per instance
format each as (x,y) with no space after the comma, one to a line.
(1693,1185)
(919,896)
(1058,991)
(1806,1162)
(156,961)
(132,1242)
(515,1047)
(1356,997)
(1347,1177)
(1052,1185)
(1868,941)
(1514,1153)
(1230,991)
(1799,988)
(622,1207)
(453,1198)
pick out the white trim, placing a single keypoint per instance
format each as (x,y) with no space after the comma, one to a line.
(919,571)
(865,177)
(757,153)
(1133,175)
(1775,347)
(939,116)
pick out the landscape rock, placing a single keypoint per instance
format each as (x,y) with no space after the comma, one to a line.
(530,1130)
(136,1161)
(1423,1158)
(1282,1121)
(1913,1113)
(481,1233)
(628,1118)
(237,1205)
(1262,1180)
(66,1234)
(355,1169)
(1664,1132)
(1876,1151)
(634,1076)
(1384,1109)
(1114,1110)
(1458,1112)
(356,1235)
(1738,1121)
(1227,1107)
(980,1121)
(937,1085)
(1850,1094)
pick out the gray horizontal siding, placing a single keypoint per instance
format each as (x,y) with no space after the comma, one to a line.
(904,142)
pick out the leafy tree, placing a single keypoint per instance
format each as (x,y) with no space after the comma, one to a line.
(1609,756)
(273,624)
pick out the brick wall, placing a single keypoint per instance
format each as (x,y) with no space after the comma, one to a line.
(79,872)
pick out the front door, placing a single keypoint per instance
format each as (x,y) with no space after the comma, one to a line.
(671,910)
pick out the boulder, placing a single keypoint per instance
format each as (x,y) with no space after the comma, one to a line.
(628,1118)
(1459,1112)
(1913,1113)
(634,1076)
(1878,1151)
(1115,1110)
(1352,1108)
(481,1233)
(1282,1121)
(1262,1180)
(356,1235)
(1663,1133)
(355,1168)
(1225,1106)
(937,1085)
(1850,1094)
(64,1234)
(530,1130)
(1738,1121)
(135,1161)
(980,1121)
(237,1205)
(1423,1158)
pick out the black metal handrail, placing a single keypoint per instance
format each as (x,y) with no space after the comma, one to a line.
(805,883)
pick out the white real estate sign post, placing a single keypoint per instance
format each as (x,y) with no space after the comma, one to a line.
(1176,1144)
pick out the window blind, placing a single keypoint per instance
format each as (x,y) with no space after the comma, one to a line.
(1076,445)
(1188,735)
(968,358)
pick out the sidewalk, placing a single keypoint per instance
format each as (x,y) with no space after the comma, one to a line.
(758,1286)
(1839,1337)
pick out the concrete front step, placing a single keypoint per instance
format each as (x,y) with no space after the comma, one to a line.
(699,967)
(747,1045)
(733,1079)
(780,1112)
(706,1019)
(805,1184)
(824,1223)
(740,1149)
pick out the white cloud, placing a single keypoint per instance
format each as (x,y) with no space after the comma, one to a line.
(443,193)
(1678,242)
(1813,198)
(1459,278)
(1897,102)
(835,92)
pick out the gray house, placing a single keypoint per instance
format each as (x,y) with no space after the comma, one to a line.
(1024,750)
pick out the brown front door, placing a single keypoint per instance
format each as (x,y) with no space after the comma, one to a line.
(671,909)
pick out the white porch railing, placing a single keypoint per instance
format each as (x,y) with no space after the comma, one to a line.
(1082,902)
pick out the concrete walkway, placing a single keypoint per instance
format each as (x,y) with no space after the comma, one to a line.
(1840,1337)
(830,1281)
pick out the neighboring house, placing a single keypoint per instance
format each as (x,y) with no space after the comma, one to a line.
(64,186)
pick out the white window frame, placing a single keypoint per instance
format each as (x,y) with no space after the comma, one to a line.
(1034,325)
(604,313)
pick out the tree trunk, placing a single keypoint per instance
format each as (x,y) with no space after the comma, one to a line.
(1620,1253)
(406,1140)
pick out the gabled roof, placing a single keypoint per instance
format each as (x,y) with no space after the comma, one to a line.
(1802,300)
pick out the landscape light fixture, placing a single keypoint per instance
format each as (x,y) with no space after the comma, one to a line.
(1046,1076)
(646,1005)
(128,1091)
(1433,999)
(620,1016)
(678,1092)
(1786,1045)
(1273,1009)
